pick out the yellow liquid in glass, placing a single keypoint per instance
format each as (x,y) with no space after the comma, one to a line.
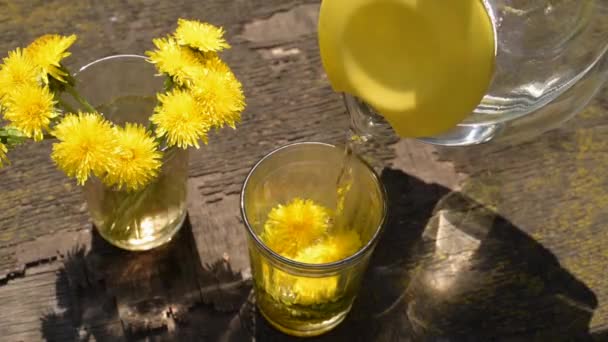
(422,64)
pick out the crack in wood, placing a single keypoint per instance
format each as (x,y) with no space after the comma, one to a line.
(23,271)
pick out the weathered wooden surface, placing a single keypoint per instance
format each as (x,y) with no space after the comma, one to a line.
(447,267)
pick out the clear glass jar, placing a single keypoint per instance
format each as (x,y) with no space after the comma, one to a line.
(123,88)
(551,59)
(298,298)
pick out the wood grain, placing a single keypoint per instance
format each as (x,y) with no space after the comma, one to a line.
(535,256)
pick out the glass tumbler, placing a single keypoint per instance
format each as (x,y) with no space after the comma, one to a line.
(309,299)
(551,59)
(123,89)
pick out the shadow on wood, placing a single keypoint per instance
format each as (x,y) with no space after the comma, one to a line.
(482,278)
(450,269)
(165,293)
(600,336)
(446,268)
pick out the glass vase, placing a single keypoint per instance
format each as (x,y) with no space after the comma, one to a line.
(123,89)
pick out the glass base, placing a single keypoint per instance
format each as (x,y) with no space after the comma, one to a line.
(308,330)
(147,243)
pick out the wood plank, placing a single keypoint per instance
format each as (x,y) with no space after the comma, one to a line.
(40,306)
(546,192)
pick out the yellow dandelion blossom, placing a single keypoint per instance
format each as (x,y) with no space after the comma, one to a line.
(310,291)
(178,118)
(86,145)
(292,289)
(30,109)
(201,36)
(137,161)
(3,157)
(48,51)
(295,226)
(179,62)
(335,247)
(17,70)
(220,93)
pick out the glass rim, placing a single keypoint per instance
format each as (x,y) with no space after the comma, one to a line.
(108,58)
(325,266)
(122,57)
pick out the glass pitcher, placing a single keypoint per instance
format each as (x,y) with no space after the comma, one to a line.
(550,61)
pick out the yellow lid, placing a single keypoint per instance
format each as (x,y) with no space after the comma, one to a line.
(423,64)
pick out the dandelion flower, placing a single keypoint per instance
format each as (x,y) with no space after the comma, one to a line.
(86,145)
(291,289)
(201,36)
(17,70)
(30,109)
(47,52)
(3,157)
(335,247)
(179,118)
(179,62)
(295,226)
(138,160)
(298,231)
(220,93)
(310,291)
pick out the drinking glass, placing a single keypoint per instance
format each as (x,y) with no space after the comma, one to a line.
(299,298)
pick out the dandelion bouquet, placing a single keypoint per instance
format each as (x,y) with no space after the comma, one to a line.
(37,93)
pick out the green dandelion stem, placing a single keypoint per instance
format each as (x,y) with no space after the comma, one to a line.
(66,106)
(80,99)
